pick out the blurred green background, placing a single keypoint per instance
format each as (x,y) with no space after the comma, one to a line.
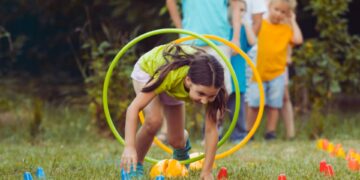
(54,55)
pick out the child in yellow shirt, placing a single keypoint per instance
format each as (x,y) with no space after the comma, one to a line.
(278,30)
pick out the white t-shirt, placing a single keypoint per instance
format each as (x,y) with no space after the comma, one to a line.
(254,7)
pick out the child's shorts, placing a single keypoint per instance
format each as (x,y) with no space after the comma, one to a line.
(141,76)
(274,93)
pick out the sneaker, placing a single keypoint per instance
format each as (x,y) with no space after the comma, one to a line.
(183,154)
(270,136)
(139,173)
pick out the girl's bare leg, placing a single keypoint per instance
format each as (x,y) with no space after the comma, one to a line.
(175,116)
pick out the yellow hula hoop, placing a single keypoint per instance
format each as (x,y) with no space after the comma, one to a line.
(261,106)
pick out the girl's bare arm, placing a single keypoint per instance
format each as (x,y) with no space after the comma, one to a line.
(140,101)
(129,156)
(211,140)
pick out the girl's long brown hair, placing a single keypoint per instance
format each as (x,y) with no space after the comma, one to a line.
(204,70)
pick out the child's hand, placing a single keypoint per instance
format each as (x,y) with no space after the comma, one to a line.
(128,158)
(292,16)
(206,176)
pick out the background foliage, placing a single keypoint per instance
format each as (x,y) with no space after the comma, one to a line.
(77,40)
(37,35)
(328,64)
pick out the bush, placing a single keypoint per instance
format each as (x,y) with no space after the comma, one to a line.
(326,65)
(96,56)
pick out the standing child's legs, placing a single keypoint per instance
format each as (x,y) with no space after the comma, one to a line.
(251,117)
(251,114)
(287,112)
(274,101)
(288,115)
(240,128)
(272,119)
(274,93)
(253,102)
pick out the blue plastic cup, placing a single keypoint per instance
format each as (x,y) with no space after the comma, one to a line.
(160,177)
(40,174)
(27,176)
(124,175)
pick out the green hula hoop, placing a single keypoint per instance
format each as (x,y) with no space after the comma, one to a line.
(168,31)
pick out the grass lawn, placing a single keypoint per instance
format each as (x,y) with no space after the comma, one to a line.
(67,146)
(100,160)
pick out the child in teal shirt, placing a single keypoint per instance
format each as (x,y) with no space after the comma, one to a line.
(247,39)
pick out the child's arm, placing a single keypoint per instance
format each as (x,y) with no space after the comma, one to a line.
(250,34)
(211,140)
(289,54)
(236,21)
(129,156)
(174,13)
(297,36)
(256,25)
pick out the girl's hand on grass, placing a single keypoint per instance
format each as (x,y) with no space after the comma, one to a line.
(128,158)
(206,176)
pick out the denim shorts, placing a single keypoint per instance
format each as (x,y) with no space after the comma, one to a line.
(274,92)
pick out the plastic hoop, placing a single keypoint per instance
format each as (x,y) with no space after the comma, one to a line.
(261,106)
(132,43)
(261,90)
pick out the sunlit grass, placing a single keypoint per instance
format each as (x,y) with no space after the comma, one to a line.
(68,147)
(100,160)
